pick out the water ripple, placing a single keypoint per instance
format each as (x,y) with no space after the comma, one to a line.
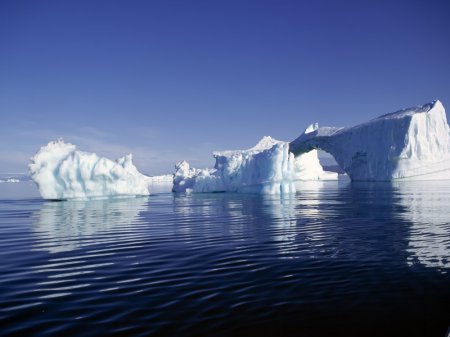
(325,261)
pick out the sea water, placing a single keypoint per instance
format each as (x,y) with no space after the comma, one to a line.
(335,259)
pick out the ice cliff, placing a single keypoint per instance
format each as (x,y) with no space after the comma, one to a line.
(268,167)
(62,172)
(410,144)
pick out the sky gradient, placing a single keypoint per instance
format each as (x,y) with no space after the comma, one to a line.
(175,80)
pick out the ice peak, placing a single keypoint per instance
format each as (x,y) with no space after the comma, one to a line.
(125,161)
(313,127)
(437,104)
(266,142)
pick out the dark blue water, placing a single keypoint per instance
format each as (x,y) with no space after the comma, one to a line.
(336,259)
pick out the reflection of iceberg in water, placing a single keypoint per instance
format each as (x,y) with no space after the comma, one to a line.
(281,210)
(426,206)
(298,223)
(288,211)
(315,220)
(67,225)
(291,224)
(236,215)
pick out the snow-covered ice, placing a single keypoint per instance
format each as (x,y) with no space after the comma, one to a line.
(62,172)
(410,144)
(268,167)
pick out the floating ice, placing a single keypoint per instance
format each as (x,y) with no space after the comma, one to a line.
(411,144)
(62,172)
(268,167)
(10,180)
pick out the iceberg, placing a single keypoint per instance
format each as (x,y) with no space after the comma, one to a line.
(410,144)
(268,167)
(62,172)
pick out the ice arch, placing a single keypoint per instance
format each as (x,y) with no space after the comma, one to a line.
(412,144)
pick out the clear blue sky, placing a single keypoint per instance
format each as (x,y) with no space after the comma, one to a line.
(173,80)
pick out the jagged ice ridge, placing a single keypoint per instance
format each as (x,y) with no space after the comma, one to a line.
(62,172)
(268,167)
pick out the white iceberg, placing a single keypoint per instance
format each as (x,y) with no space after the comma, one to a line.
(411,144)
(62,172)
(268,167)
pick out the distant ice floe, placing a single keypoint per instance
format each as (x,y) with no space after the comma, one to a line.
(268,167)
(9,180)
(62,172)
(14,177)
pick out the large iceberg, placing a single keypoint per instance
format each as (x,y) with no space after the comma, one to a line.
(268,167)
(410,144)
(62,172)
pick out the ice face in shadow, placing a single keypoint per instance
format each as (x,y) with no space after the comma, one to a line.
(411,144)
(68,225)
(267,168)
(426,206)
(62,172)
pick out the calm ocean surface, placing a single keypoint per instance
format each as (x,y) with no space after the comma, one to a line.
(336,259)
